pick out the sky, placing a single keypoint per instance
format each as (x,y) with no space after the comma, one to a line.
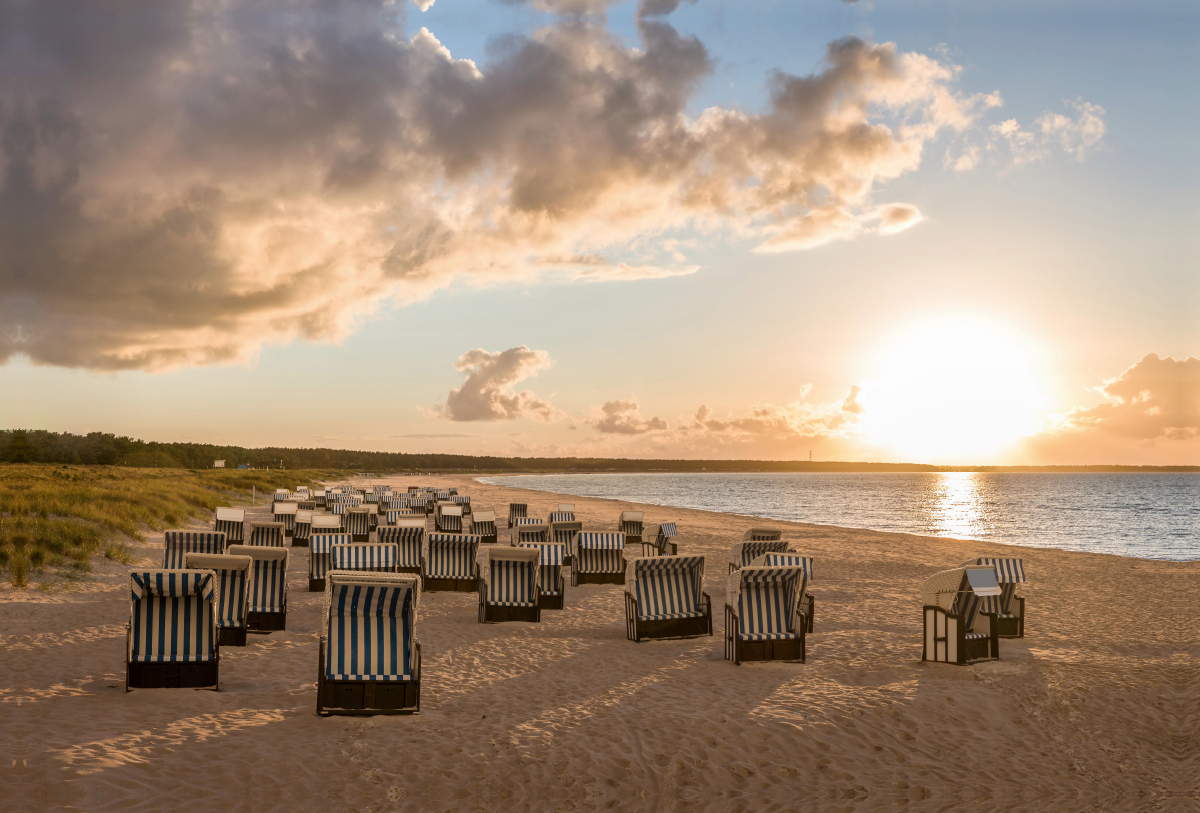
(937,232)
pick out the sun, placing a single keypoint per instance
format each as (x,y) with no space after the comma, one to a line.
(953,391)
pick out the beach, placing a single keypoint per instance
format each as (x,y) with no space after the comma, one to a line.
(1097,708)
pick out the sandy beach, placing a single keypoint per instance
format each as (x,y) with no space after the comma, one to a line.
(1097,708)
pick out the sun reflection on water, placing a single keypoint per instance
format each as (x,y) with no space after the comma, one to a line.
(955,507)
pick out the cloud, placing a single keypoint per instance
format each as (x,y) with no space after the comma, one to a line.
(1074,136)
(184,184)
(799,420)
(1155,398)
(439,435)
(622,417)
(488,393)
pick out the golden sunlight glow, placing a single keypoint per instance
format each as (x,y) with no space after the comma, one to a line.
(954,391)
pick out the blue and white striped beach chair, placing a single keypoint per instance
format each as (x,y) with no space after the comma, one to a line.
(450,563)
(808,604)
(265,534)
(318,496)
(373,557)
(408,535)
(955,629)
(325,524)
(517,510)
(449,518)
(357,523)
(232,523)
(483,524)
(564,533)
(560,516)
(528,529)
(394,514)
(665,598)
(742,554)
(463,501)
(762,535)
(303,528)
(630,524)
(369,658)
(171,641)
(180,543)
(552,557)
(232,583)
(285,512)
(657,541)
(320,557)
(509,581)
(1008,607)
(268,587)
(763,619)
(599,559)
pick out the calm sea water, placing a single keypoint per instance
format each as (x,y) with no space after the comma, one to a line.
(1150,516)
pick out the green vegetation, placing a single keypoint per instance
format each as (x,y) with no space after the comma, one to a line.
(54,518)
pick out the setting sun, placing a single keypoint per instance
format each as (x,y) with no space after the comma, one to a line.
(953,391)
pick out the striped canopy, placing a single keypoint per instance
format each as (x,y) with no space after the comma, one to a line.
(551,556)
(370,626)
(517,509)
(510,575)
(600,541)
(326,523)
(268,534)
(767,601)
(792,559)
(357,521)
(451,556)
(1009,573)
(171,616)
(743,553)
(630,523)
(599,553)
(409,540)
(524,520)
(962,591)
(320,553)
(180,543)
(532,532)
(667,530)
(460,499)
(762,535)
(371,556)
(268,577)
(666,586)
(562,516)
(232,579)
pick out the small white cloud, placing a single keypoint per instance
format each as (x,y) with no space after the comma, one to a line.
(622,417)
(488,393)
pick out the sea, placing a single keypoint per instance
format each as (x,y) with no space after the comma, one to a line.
(1147,516)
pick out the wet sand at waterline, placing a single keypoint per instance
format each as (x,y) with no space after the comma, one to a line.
(1097,708)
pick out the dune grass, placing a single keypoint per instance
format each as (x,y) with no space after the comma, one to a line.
(55,518)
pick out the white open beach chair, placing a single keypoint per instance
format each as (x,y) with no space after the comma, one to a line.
(232,592)
(320,557)
(763,617)
(529,529)
(551,555)
(808,604)
(171,640)
(232,523)
(408,535)
(448,518)
(509,584)
(178,544)
(955,629)
(630,524)
(268,587)
(599,559)
(564,533)
(357,522)
(302,529)
(483,524)
(450,563)
(743,553)
(665,598)
(285,512)
(517,510)
(369,659)
(657,540)
(265,534)
(372,557)
(1008,606)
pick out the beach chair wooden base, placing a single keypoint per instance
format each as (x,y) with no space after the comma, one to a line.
(489,539)
(287,534)
(231,636)
(946,640)
(299,543)
(414,570)
(549,601)
(262,623)
(316,585)
(790,650)
(360,538)
(366,697)
(432,585)
(651,549)
(1013,627)
(597,578)
(171,675)
(639,630)
(496,614)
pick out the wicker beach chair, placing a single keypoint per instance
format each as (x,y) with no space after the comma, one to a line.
(325,524)
(265,534)
(483,523)
(763,618)
(552,584)
(395,514)
(517,510)
(369,659)
(808,604)
(450,563)
(762,535)
(742,554)
(232,523)
(268,587)
(318,496)
(232,587)
(955,629)
(508,584)
(630,524)
(171,640)
(448,518)
(303,528)
(357,523)
(320,557)
(560,516)
(408,535)
(285,512)
(372,557)
(657,540)
(664,598)
(463,501)
(1008,606)
(178,544)
(564,533)
(529,529)
(599,559)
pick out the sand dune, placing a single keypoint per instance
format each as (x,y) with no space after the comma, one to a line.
(1096,709)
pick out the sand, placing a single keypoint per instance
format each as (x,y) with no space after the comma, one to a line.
(1096,708)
